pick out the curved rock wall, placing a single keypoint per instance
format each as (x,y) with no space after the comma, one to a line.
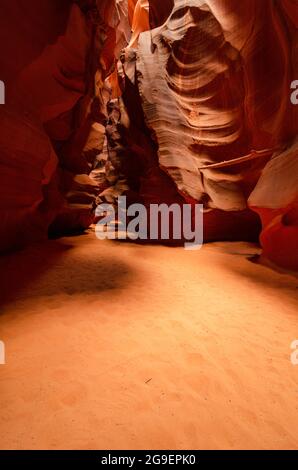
(165,101)
(54,57)
(207,102)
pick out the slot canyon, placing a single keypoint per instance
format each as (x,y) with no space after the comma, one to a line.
(140,343)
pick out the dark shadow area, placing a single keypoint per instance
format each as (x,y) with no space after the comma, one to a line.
(261,261)
(54,268)
(280,282)
(23,267)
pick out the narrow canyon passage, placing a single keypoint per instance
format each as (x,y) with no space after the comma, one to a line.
(116,345)
(172,127)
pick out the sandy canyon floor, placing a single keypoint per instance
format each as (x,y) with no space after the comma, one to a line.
(119,346)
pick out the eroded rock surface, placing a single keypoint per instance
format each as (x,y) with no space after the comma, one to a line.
(164,101)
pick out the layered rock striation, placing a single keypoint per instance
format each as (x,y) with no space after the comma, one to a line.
(162,101)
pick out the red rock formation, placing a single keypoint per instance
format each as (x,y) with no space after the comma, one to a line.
(210,90)
(29,186)
(54,59)
(199,83)
(29,194)
(275,198)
